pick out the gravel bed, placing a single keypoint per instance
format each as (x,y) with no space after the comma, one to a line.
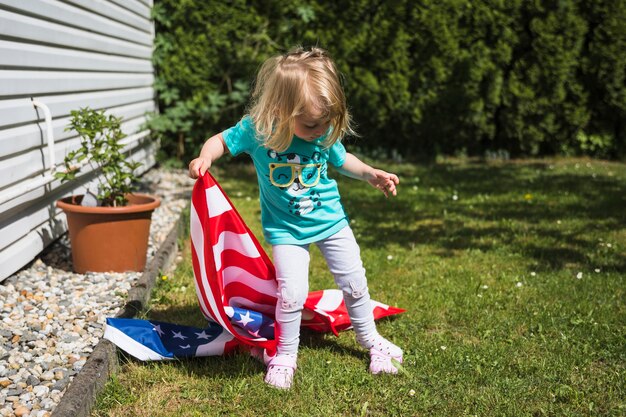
(52,318)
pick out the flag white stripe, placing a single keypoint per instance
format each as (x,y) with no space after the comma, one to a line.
(330,301)
(233,274)
(241,243)
(216,202)
(378,304)
(131,346)
(197,237)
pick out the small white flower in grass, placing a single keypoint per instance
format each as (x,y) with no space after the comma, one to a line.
(484,287)
(558,222)
(389,257)
(480,296)
(579,275)
(415,188)
(597,270)
(532,274)
(248,198)
(412,392)
(443,347)
(519,284)
(455,197)
(608,245)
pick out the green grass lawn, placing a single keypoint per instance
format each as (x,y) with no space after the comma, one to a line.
(513,277)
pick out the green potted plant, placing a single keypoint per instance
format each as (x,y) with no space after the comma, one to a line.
(108,227)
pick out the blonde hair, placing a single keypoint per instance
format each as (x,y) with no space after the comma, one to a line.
(298,82)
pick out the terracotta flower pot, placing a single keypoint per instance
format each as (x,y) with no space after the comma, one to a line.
(109,238)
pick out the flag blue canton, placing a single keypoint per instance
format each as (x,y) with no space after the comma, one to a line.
(166,339)
(255,323)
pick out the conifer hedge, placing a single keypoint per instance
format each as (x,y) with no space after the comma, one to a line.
(513,77)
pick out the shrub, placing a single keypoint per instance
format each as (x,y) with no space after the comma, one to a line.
(422,77)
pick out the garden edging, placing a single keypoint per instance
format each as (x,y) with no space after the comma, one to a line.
(81,394)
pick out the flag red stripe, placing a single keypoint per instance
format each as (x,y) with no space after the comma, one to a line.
(238,289)
(231,257)
(225,222)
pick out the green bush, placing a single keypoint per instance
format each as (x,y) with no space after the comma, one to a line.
(422,77)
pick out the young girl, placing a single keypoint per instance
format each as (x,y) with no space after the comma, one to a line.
(297,118)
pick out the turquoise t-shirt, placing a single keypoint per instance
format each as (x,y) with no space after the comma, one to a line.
(299,203)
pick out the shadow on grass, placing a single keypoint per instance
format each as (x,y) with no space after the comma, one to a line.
(233,365)
(519,206)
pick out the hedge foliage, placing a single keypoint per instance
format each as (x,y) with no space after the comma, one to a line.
(518,77)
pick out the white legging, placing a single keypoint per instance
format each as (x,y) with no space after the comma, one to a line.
(342,255)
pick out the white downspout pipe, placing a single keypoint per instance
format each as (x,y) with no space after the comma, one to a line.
(49,133)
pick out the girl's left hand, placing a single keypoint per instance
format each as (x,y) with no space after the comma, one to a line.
(384,181)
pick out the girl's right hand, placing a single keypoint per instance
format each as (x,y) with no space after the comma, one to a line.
(198,167)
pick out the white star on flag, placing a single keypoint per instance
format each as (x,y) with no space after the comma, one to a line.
(203,335)
(245,319)
(178,335)
(157,329)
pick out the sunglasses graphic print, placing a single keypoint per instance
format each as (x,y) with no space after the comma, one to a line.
(283,175)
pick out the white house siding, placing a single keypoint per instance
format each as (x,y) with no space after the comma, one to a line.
(66,54)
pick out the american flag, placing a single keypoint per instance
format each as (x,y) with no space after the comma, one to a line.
(236,288)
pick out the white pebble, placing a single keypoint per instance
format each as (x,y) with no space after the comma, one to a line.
(40,390)
(47,376)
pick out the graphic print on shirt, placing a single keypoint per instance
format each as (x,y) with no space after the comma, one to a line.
(297,174)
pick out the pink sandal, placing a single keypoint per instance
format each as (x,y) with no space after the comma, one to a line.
(280,370)
(381,362)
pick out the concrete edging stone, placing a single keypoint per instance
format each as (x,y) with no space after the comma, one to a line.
(80,396)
